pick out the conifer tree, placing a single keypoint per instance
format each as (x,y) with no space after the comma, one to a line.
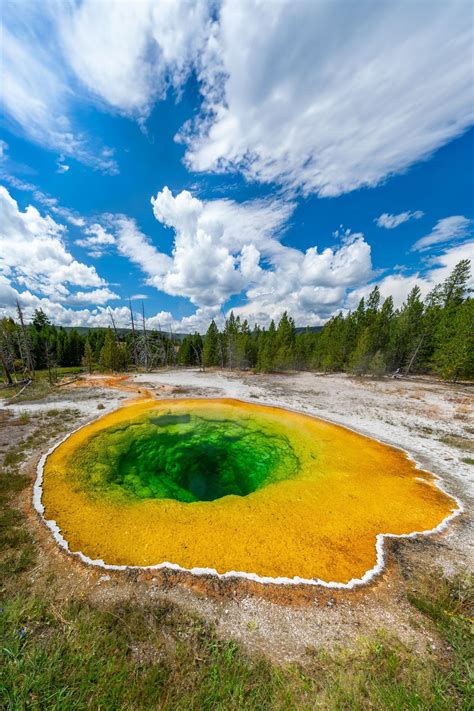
(210,352)
(266,353)
(108,354)
(453,357)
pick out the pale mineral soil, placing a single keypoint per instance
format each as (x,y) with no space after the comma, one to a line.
(431,420)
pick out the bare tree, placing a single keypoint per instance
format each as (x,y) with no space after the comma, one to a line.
(143,344)
(171,350)
(50,361)
(134,337)
(24,343)
(198,355)
(415,353)
(113,324)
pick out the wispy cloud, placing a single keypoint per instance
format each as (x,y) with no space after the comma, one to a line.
(52,203)
(38,92)
(449,229)
(97,240)
(391,221)
(351,103)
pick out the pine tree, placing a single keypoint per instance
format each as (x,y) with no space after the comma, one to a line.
(377,364)
(285,343)
(210,353)
(185,352)
(361,357)
(230,340)
(453,357)
(454,288)
(267,349)
(407,332)
(40,320)
(108,353)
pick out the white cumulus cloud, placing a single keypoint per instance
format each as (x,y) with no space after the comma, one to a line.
(34,255)
(222,248)
(399,284)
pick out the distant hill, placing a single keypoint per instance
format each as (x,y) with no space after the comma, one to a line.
(309,329)
(84,330)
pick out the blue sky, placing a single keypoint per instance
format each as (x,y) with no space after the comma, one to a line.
(207,156)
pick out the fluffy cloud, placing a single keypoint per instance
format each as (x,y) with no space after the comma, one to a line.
(223,248)
(217,248)
(398,284)
(61,313)
(95,297)
(391,221)
(33,254)
(310,285)
(449,229)
(51,203)
(328,106)
(97,240)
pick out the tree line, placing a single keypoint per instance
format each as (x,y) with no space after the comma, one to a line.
(431,335)
(434,335)
(40,345)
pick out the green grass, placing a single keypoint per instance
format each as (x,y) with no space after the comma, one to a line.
(467,460)
(61,654)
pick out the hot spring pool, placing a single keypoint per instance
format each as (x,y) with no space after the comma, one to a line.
(228,486)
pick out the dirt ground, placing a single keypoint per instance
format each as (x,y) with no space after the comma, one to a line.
(432,421)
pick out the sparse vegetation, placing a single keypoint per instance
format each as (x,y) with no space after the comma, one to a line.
(463,443)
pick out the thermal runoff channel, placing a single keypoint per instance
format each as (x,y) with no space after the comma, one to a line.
(232,486)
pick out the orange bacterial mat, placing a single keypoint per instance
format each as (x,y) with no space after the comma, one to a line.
(224,486)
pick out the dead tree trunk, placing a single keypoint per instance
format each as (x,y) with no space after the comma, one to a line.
(24,341)
(113,325)
(413,358)
(50,364)
(146,353)
(134,339)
